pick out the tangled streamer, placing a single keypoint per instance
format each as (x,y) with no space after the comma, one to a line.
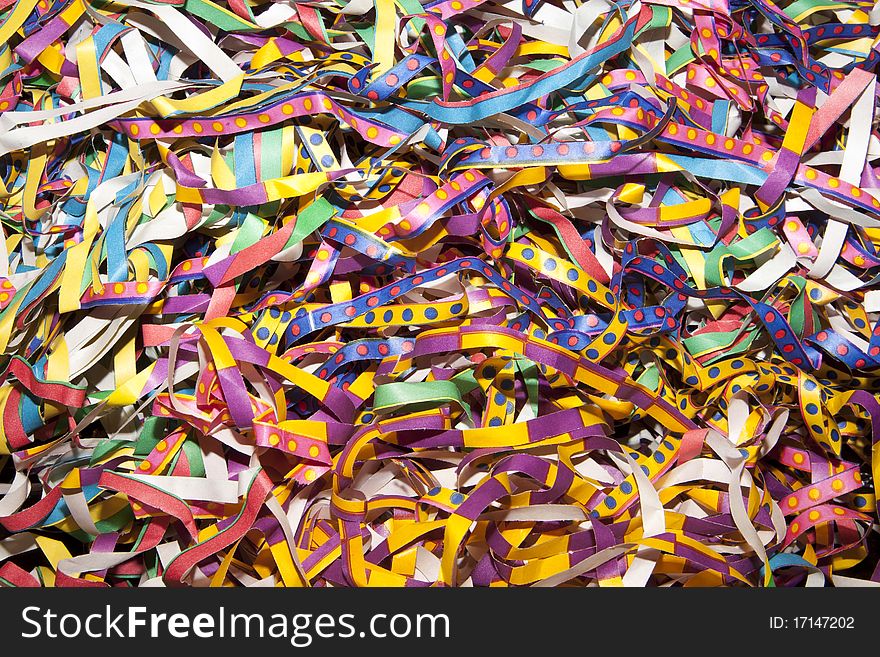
(465,293)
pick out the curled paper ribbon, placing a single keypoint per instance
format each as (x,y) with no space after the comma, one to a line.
(457,294)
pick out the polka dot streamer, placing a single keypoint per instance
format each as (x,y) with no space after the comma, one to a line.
(464,293)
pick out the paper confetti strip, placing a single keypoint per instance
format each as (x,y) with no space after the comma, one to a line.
(469,293)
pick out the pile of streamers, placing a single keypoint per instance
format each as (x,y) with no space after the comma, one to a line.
(465,293)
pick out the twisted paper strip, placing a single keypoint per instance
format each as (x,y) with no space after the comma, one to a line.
(467,293)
